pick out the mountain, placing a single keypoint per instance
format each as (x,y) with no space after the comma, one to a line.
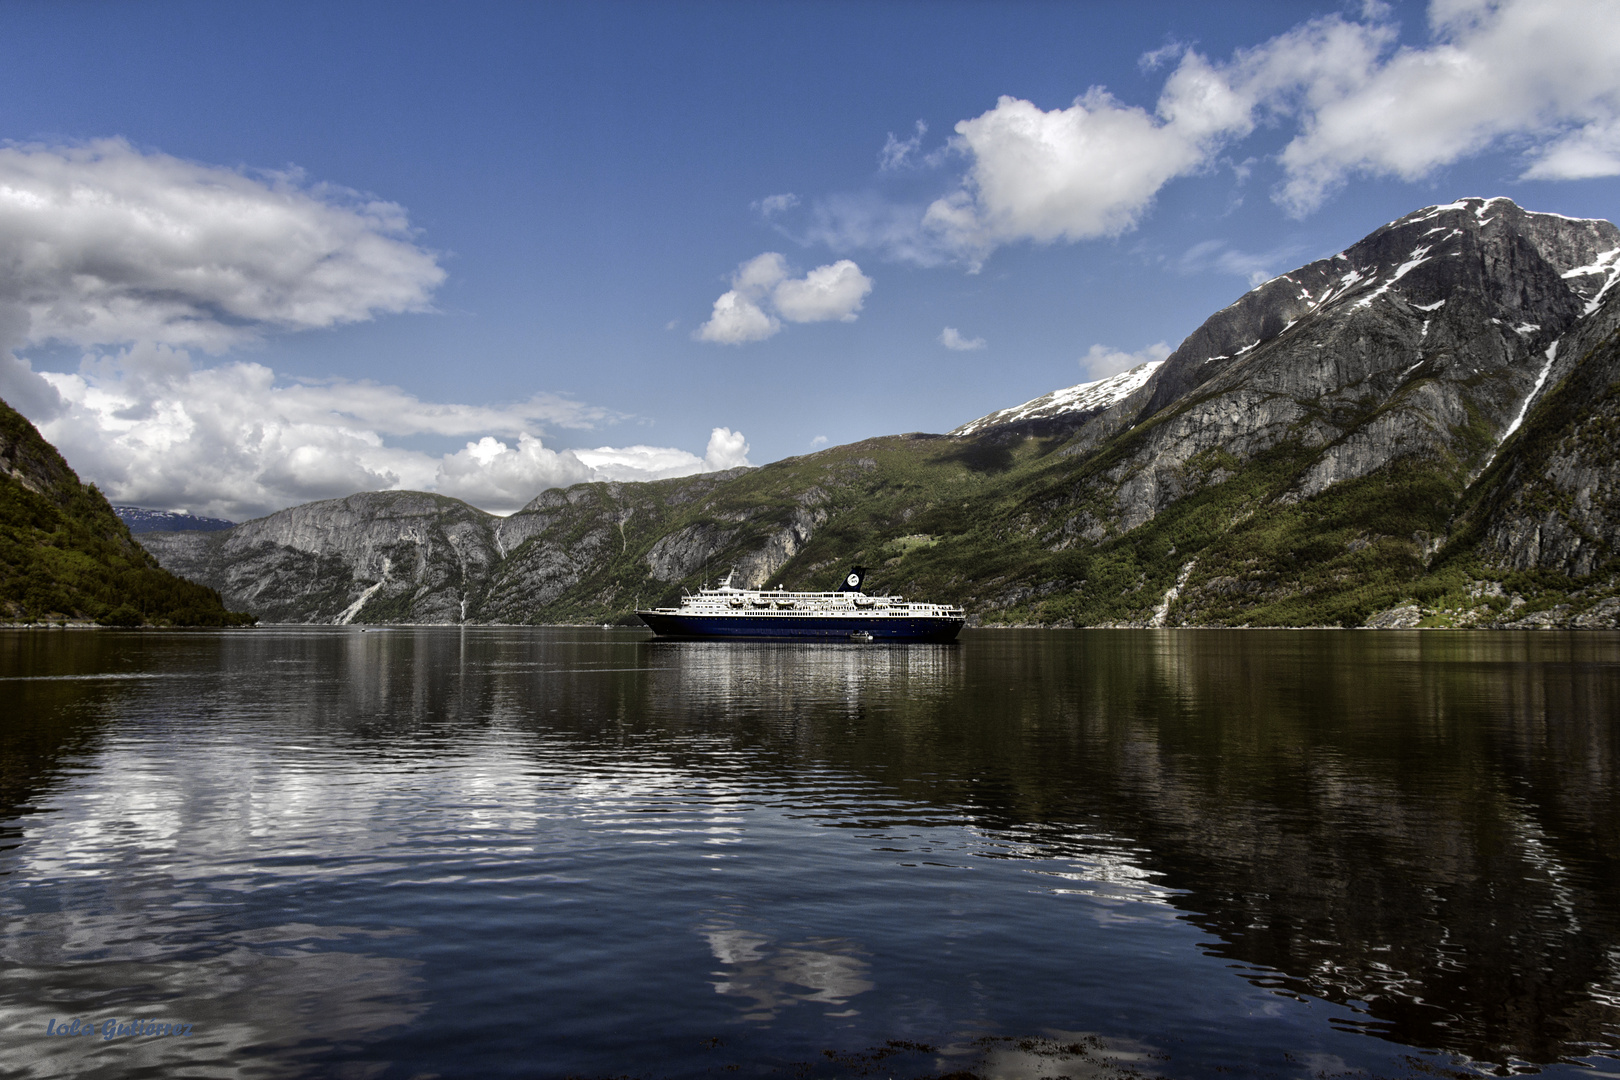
(1416,431)
(141,520)
(64,554)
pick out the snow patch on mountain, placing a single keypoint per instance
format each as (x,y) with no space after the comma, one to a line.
(1524,408)
(1606,264)
(141,520)
(1085,398)
(1419,257)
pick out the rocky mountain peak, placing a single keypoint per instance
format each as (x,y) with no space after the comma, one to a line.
(1533,273)
(1072,403)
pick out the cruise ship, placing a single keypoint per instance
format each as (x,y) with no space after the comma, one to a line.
(846,614)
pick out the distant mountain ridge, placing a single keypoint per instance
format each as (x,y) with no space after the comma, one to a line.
(141,520)
(1418,430)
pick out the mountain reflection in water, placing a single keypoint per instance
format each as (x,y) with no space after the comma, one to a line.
(543,852)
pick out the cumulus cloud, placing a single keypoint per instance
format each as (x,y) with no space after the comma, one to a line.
(737,320)
(1086,171)
(1545,71)
(952,339)
(836,291)
(1102,361)
(232,440)
(763,294)
(727,449)
(105,244)
(141,258)
(1542,76)
(495,476)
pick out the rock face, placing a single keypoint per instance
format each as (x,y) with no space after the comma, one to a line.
(1417,431)
(1423,341)
(1552,501)
(404,556)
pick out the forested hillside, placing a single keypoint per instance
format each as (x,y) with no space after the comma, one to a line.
(64,554)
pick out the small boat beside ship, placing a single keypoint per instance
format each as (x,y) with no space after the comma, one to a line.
(845,614)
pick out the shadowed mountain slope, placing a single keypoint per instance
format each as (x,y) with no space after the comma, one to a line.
(64,554)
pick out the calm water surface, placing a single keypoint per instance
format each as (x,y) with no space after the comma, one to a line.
(555,852)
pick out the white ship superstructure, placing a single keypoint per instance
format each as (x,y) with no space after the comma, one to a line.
(847,612)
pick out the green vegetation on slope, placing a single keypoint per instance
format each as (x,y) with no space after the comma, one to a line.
(1000,528)
(64,554)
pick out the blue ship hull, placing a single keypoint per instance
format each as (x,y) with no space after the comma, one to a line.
(801,627)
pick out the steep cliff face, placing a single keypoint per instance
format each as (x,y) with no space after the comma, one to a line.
(1423,341)
(1548,509)
(1418,429)
(401,556)
(1559,508)
(64,554)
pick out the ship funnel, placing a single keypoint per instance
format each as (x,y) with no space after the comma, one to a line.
(852,583)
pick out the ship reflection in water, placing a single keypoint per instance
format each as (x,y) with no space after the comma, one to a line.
(515,852)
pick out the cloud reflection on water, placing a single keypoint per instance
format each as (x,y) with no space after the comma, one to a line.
(770,976)
(262,1003)
(1417,828)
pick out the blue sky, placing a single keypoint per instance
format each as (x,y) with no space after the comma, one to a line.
(570,189)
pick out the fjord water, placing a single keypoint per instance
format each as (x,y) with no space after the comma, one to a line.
(549,852)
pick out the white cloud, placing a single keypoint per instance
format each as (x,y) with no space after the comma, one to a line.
(1102,361)
(727,449)
(952,338)
(763,294)
(737,320)
(1583,154)
(142,257)
(771,205)
(1541,75)
(492,475)
(1087,171)
(866,220)
(897,154)
(836,291)
(231,440)
(819,440)
(108,245)
(1545,71)
(756,277)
